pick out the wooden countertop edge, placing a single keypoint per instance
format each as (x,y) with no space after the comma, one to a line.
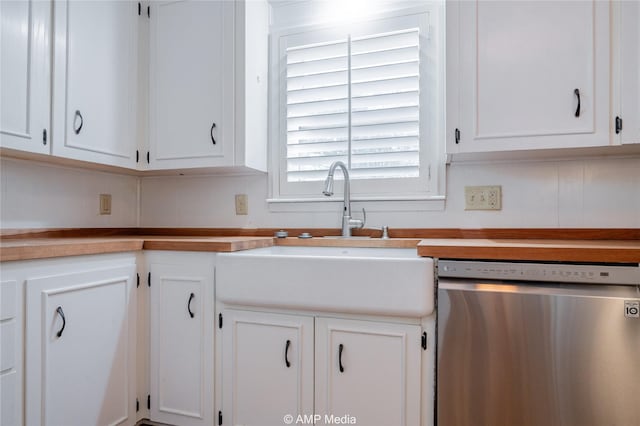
(560,254)
(64,249)
(337,242)
(203,245)
(570,250)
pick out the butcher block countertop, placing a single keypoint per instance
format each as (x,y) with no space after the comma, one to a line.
(58,244)
(614,251)
(25,249)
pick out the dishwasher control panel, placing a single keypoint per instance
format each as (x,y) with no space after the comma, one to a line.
(545,272)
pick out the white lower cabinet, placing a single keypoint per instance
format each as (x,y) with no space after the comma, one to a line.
(267,367)
(80,343)
(352,372)
(182,338)
(368,372)
(11,325)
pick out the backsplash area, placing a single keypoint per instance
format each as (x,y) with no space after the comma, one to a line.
(564,193)
(567,193)
(36,195)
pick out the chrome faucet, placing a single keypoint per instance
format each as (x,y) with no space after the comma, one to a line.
(348,223)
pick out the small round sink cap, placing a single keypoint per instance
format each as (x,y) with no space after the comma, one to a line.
(282,234)
(305,235)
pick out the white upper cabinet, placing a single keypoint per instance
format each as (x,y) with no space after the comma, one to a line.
(528,75)
(628,26)
(190,53)
(24,75)
(94,81)
(208,86)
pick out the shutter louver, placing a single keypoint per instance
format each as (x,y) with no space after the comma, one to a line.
(384,78)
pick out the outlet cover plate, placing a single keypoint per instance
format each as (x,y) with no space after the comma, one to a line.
(483,197)
(105,204)
(242,204)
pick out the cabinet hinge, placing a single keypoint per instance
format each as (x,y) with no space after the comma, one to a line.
(137,280)
(44,136)
(137,405)
(219,320)
(149,279)
(147,157)
(457,136)
(137,156)
(139,9)
(219,418)
(618,125)
(424,340)
(148,402)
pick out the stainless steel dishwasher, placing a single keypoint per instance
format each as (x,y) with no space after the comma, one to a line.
(538,344)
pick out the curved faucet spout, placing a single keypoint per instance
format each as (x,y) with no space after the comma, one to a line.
(328,185)
(347,222)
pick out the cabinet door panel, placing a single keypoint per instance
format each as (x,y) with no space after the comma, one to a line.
(191,99)
(259,387)
(80,367)
(520,66)
(25,75)
(10,351)
(95,75)
(380,381)
(182,344)
(629,22)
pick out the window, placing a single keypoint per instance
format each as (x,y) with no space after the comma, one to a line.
(369,96)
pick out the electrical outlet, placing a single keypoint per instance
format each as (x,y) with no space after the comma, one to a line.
(483,197)
(105,203)
(242,204)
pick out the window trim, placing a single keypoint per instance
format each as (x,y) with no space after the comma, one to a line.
(432,157)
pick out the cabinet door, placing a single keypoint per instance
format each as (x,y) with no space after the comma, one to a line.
(24,75)
(182,345)
(11,327)
(629,51)
(267,367)
(80,348)
(94,81)
(369,371)
(192,84)
(529,75)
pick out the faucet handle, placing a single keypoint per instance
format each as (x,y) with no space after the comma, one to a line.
(385,231)
(357,223)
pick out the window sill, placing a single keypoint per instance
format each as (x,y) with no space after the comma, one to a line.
(373,204)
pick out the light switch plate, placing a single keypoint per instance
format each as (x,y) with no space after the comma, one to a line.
(483,197)
(105,204)
(242,204)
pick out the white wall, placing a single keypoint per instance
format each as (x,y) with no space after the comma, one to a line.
(564,193)
(572,193)
(36,195)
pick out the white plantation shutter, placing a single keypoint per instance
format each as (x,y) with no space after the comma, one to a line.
(317,109)
(356,100)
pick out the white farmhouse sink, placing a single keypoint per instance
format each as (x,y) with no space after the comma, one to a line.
(378,281)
